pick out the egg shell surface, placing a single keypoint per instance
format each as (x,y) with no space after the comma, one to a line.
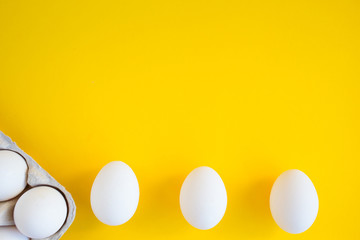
(11,233)
(203,198)
(115,194)
(294,202)
(13,174)
(40,212)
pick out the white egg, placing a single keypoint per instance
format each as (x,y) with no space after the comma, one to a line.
(115,194)
(40,212)
(13,174)
(11,233)
(203,198)
(294,203)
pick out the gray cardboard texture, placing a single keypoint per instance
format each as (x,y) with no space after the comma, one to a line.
(36,176)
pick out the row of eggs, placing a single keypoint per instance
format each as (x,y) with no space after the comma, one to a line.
(294,202)
(41,211)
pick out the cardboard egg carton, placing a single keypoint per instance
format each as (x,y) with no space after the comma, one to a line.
(36,176)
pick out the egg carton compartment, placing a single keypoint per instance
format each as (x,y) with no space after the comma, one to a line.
(37,176)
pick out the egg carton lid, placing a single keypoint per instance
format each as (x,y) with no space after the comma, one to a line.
(37,176)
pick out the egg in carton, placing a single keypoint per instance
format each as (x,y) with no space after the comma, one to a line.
(37,176)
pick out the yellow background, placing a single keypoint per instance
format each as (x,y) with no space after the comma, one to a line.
(249,88)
